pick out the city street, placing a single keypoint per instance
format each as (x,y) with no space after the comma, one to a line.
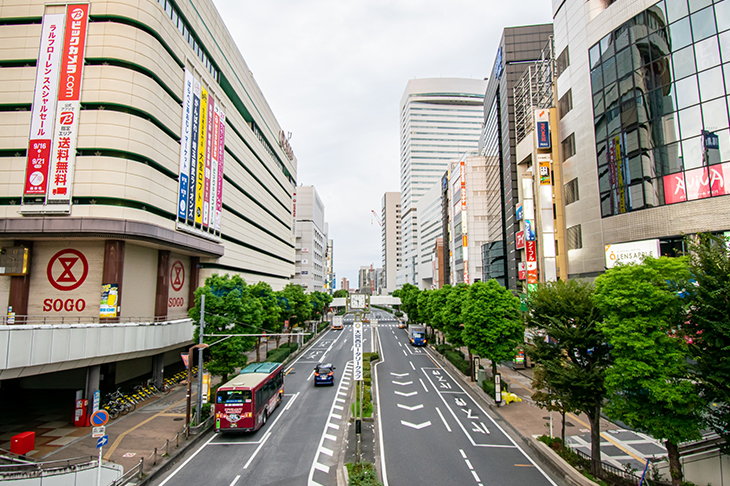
(302,439)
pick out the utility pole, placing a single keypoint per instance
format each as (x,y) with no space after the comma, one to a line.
(200,360)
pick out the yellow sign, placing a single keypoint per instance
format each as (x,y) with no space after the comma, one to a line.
(202,133)
(206,387)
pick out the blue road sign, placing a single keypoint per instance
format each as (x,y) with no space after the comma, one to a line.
(99,418)
(101,441)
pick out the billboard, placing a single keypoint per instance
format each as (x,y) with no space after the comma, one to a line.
(185,136)
(43,111)
(631,252)
(542,128)
(65,133)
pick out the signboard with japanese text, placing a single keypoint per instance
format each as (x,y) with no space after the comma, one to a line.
(185,136)
(519,240)
(522,271)
(65,133)
(43,111)
(519,213)
(202,139)
(109,295)
(529,230)
(357,337)
(542,128)
(544,161)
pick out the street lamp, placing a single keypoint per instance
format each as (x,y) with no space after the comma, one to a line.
(190,384)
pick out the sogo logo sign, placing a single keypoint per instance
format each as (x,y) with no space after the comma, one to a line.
(177,279)
(67,270)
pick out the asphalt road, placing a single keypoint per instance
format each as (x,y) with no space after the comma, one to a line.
(432,432)
(300,443)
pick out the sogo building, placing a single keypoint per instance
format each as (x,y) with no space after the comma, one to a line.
(138,157)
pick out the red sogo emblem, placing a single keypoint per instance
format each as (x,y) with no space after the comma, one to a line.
(177,276)
(67,269)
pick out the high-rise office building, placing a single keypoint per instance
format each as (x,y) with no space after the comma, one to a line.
(440,119)
(311,240)
(390,239)
(518,48)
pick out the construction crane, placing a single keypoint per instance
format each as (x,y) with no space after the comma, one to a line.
(377,218)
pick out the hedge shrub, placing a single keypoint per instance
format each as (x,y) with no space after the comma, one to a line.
(362,474)
(457,359)
(279,354)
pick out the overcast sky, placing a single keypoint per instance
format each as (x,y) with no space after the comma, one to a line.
(334,72)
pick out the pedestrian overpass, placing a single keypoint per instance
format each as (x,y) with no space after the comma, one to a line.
(374,300)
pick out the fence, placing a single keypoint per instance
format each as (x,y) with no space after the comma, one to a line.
(614,475)
(31,320)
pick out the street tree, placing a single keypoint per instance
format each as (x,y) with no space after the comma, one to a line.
(493,327)
(574,360)
(437,306)
(453,321)
(270,311)
(408,295)
(650,385)
(340,293)
(424,306)
(709,328)
(295,305)
(230,308)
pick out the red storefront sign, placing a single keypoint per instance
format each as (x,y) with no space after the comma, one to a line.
(522,269)
(520,240)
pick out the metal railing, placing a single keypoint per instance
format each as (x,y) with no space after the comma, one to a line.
(30,467)
(614,475)
(30,320)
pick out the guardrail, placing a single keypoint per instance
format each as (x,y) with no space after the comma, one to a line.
(615,475)
(35,467)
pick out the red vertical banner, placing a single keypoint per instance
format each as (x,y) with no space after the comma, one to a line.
(45,97)
(531,253)
(65,134)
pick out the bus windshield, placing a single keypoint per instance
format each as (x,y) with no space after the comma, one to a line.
(233,397)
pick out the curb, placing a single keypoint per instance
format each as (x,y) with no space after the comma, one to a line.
(174,458)
(558,464)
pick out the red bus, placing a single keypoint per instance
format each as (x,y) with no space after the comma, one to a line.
(244,403)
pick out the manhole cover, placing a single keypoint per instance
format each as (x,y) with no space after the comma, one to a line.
(178,419)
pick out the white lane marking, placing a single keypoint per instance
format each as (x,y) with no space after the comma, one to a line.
(325,435)
(339,400)
(405,383)
(339,407)
(291,401)
(416,407)
(469,464)
(416,426)
(404,352)
(496,425)
(444,421)
(235,480)
(424,385)
(337,416)
(342,393)
(474,473)
(186,462)
(324,450)
(400,344)
(400,375)
(383,469)
(463,454)
(409,394)
(263,441)
(410,363)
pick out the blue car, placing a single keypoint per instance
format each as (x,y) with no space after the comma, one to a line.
(324,374)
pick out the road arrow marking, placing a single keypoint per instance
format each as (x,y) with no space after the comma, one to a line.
(411,408)
(403,384)
(416,426)
(409,394)
(399,375)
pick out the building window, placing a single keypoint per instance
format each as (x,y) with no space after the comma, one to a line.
(565,104)
(563,61)
(568,147)
(574,237)
(571,192)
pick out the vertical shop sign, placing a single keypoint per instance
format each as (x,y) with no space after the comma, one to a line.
(65,134)
(221,150)
(464,229)
(43,112)
(213,170)
(185,134)
(208,152)
(109,294)
(194,142)
(542,128)
(200,176)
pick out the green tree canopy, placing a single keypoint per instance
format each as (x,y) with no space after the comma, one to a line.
(452,315)
(230,308)
(409,301)
(650,385)
(709,329)
(493,327)
(294,304)
(437,306)
(424,306)
(341,293)
(575,357)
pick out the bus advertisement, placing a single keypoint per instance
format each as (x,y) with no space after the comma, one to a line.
(244,403)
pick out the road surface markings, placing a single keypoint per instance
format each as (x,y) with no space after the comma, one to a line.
(408,394)
(324,450)
(186,462)
(337,416)
(405,383)
(330,437)
(334,426)
(291,401)
(424,385)
(263,441)
(416,407)
(339,407)
(322,467)
(410,363)
(416,426)
(399,375)
(471,468)
(404,352)
(235,480)
(443,419)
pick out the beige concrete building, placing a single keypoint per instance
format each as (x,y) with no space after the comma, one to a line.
(138,157)
(391,250)
(311,240)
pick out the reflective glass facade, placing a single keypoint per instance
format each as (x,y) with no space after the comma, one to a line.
(659,85)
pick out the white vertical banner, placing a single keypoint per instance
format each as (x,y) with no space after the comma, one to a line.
(357,351)
(213,168)
(45,97)
(65,134)
(185,137)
